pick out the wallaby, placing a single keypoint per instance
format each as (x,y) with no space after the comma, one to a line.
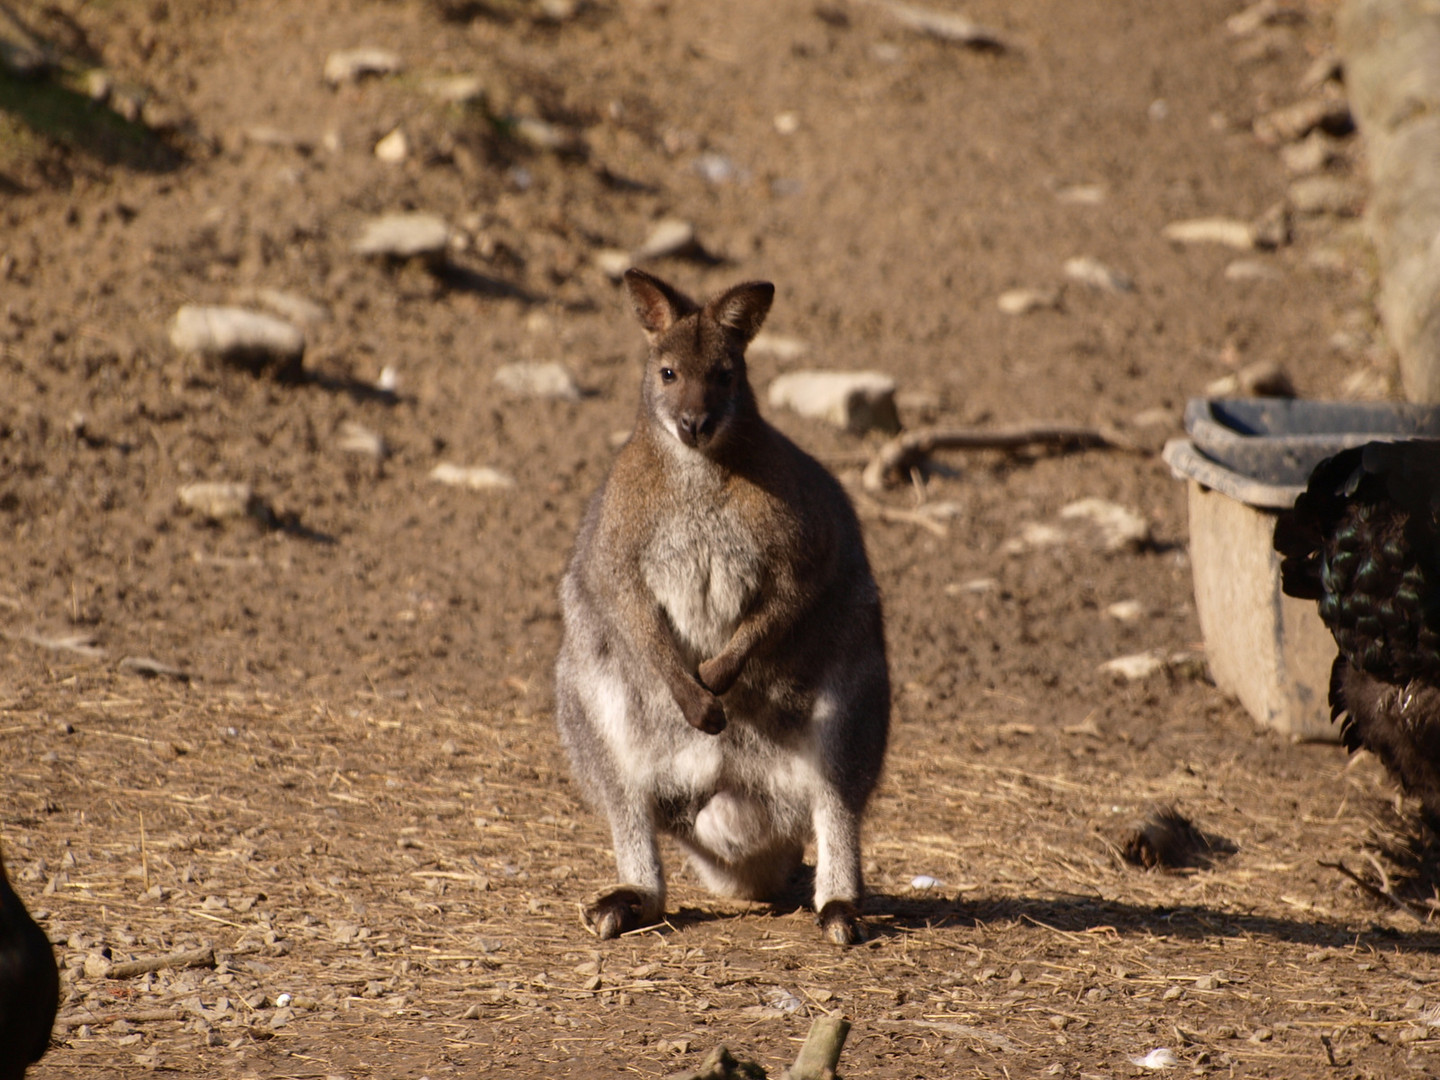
(722,677)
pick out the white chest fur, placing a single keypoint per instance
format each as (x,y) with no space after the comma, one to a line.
(704,567)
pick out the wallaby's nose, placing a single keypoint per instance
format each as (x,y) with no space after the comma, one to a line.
(693,426)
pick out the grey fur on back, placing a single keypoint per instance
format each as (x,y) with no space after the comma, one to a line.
(722,676)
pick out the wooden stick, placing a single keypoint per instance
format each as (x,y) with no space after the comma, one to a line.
(821,1052)
(1379,893)
(195,958)
(870,508)
(894,460)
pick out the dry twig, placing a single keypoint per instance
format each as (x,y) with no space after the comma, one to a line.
(894,460)
(1378,892)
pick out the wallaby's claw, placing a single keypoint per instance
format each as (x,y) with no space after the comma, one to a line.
(614,912)
(840,923)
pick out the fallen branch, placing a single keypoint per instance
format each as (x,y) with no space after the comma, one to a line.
(1378,892)
(868,507)
(821,1052)
(892,463)
(194,958)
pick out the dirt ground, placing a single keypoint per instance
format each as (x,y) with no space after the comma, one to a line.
(352,791)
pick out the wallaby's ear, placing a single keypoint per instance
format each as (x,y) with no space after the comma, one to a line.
(657,305)
(743,308)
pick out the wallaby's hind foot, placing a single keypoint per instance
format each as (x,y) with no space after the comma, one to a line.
(840,923)
(616,911)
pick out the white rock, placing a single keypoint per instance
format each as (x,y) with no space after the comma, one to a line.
(855,400)
(787,123)
(356,438)
(1024,301)
(474,477)
(404,236)
(351,65)
(393,148)
(1119,528)
(974,586)
(543,135)
(1326,195)
(237,335)
(1246,270)
(1092,272)
(1082,194)
(613,262)
(1126,611)
(1263,378)
(538,380)
(1135,667)
(670,236)
(1226,231)
(218,500)
(925,881)
(457,89)
(296,309)
(946,26)
(1162,1057)
(783,348)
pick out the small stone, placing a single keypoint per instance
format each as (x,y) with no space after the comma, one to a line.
(97,966)
(1317,151)
(1126,611)
(1024,301)
(220,500)
(1135,667)
(613,262)
(946,26)
(1263,378)
(858,401)
(404,236)
(787,123)
(97,85)
(474,477)
(781,347)
(1226,231)
(457,89)
(1120,529)
(543,135)
(1262,14)
(1082,194)
(393,148)
(1094,273)
(1331,115)
(1248,270)
(669,237)
(1326,195)
(239,336)
(355,438)
(538,380)
(352,65)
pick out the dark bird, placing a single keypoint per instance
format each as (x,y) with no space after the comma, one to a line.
(29,986)
(1363,540)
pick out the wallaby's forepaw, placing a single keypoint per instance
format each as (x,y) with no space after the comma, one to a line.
(614,912)
(840,923)
(718,674)
(706,714)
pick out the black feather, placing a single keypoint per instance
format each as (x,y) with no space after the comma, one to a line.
(29,985)
(1363,540)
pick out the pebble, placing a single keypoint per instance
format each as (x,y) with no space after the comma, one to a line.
(1092,272)
(1326,195)
(1245,270)
(613,262)
(474,477)
(780,346)
(457,89)
(669,237)
(858,401)
(404,236)
(356,438)
(1024,301)
(925,881)
(1126,611)
(1162,1057)
(237,335)
(1120,529)
(1215,230)
(352,65)
(538,380)
(716,168)
(1312,154)
(218,500)
(1135,667)
(1082,194)
(289,306)
(1331,115)
(543,135)
(946,26)
(1263,378)
(786,123)
(393,148)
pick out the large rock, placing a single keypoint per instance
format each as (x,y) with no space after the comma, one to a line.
(238,336)
(855,400)
(1391,50)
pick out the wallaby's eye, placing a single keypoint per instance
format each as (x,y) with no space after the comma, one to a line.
(724,377)
(667,374)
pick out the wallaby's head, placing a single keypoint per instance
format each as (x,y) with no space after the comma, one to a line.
(695,383)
